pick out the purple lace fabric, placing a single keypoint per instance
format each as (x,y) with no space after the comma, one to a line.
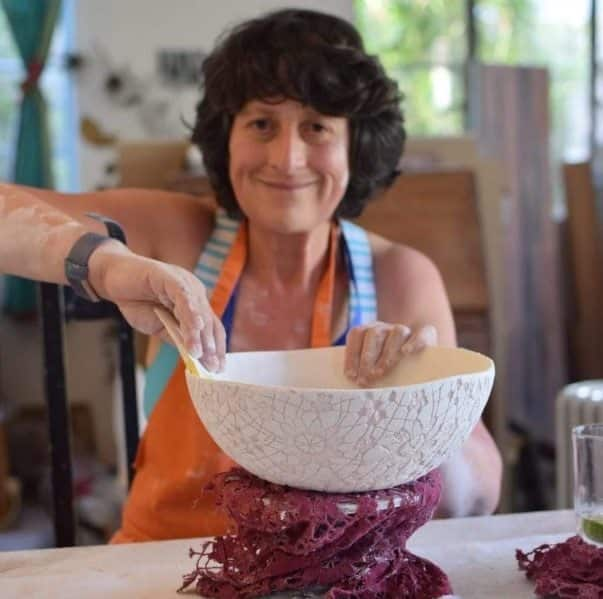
(287,539)
(572,568)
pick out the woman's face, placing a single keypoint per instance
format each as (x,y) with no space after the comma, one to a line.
(288,164)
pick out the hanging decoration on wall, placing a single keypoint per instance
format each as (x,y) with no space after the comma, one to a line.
(180,68)
(149,98)
(119,103)
(93,133)
(114,94)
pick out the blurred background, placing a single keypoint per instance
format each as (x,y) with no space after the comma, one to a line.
(501,186)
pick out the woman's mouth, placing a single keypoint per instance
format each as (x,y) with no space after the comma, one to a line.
(287,185)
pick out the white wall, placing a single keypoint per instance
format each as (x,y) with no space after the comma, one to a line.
(131,32)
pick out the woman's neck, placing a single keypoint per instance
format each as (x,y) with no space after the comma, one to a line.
(284,261)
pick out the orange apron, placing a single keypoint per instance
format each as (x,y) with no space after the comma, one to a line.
(177,458)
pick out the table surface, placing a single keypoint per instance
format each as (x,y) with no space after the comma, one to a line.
(478,554)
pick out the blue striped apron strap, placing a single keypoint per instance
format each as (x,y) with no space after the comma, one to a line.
(363,294)
(207,271)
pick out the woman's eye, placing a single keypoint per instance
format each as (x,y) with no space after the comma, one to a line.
(318,131)
(260,124)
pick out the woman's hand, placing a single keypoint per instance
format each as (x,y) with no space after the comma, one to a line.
(373,350)
(137,284)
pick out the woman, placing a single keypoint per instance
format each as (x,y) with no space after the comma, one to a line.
(298,127)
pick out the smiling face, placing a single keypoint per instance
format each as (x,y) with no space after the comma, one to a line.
(288,164)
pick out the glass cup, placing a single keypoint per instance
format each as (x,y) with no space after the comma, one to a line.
(587,441)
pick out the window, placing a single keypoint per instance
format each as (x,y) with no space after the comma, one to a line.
(424,46)
(58,91)
(550,34)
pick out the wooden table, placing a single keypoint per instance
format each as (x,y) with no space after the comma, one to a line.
(478,554)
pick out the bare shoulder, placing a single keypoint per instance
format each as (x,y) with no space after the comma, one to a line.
(181,221)
(179,225)
(170,226)
(410,289)
(397,264)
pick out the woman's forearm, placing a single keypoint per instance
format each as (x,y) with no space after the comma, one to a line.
(35,237)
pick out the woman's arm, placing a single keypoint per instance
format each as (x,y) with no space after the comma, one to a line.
(155,222)
(36,237)
(410,291)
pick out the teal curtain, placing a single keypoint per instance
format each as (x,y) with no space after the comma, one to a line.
(32,23)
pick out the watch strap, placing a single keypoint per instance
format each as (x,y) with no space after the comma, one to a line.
(76,264)
(114,229)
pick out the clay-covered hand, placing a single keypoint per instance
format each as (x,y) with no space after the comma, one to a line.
(373,350)
(137,284)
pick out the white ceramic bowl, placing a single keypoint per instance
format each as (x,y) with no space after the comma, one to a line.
(293,418)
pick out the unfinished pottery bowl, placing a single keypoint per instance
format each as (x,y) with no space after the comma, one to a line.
(293,418)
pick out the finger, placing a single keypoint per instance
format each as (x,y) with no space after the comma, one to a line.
(428,335)
(391,353)
(186,297)
(220,337)
(195,315)
(208,339)
(372,346)
(421,338)
(191,331)
(192,320)
(353,347)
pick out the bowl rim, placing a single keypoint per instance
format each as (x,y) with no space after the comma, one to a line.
(491,370)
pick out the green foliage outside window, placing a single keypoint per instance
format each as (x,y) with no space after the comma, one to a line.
(423,45)
(504,28)
(551,35)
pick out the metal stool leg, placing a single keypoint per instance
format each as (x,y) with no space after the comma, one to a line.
(127,366)
(58,415)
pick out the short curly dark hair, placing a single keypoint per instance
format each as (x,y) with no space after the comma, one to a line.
(318,60)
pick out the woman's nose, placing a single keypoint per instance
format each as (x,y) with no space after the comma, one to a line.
(288,151)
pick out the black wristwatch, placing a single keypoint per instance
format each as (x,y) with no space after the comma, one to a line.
(76,265)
